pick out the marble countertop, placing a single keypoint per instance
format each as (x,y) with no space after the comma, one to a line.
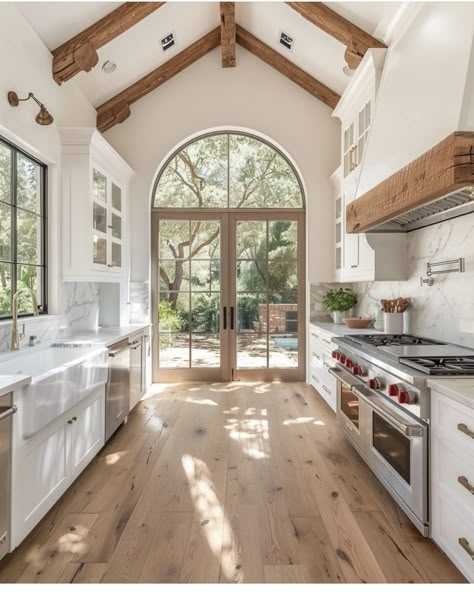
(459,389)
(9,383)
(105,335)
(342,329)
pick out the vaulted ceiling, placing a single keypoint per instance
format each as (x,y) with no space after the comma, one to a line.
(137,51)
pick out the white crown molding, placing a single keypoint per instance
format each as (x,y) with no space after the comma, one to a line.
(390,31)
(89,141)
(369,72)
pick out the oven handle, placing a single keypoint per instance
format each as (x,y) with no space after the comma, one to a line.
(395,418)
(347,379)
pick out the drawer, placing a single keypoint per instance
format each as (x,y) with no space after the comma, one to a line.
(455,420)
(324,383)
(321,339)
(453,531)
(453,472)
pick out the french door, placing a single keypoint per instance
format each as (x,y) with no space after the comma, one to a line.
(228,295)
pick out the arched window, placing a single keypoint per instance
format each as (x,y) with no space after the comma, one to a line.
(228,170)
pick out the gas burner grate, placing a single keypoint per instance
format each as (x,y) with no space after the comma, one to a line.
(382,340)
(452,366)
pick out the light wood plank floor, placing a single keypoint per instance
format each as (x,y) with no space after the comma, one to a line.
(227,483)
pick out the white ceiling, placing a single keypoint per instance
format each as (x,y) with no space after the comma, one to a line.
(137,51)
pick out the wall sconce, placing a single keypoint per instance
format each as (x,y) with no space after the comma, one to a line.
(43,117)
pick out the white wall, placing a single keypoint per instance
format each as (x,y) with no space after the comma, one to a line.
(25,66)
(420,100)
(253,96)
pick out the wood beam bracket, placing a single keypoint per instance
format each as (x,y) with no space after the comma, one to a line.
(79,54)
(356,40)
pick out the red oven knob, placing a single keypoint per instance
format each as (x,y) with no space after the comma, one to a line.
(405,397)
(335,354)
(356,370)
(374,383)
(342,358)
(349,363)
(393,390)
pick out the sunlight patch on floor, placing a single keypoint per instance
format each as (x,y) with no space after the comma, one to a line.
(218,531)
(114,457)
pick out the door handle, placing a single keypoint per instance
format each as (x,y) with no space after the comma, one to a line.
(231,318)
(224,316)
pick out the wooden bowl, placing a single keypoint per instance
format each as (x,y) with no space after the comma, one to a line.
(357,323)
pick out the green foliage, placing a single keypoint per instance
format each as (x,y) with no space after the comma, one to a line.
(28,229)
(228,170)
(171,319)
(341,299)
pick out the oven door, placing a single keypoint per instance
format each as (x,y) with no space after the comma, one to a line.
(397,450)
(350,412)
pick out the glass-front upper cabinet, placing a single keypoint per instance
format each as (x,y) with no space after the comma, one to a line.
(107,221)
(354,138)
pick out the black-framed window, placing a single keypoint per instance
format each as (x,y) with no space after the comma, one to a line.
(22,230)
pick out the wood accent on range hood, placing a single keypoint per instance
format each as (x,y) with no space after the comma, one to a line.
(445,168)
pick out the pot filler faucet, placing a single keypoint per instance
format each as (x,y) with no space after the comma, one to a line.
(15,343)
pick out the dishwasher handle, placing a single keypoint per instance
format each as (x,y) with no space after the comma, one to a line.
(7,411)
(119,349)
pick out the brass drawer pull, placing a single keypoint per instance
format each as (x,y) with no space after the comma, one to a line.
(326,389)
(328,342)
(316,356)
(462,427)
(465,483)
(315,379)
(465,545)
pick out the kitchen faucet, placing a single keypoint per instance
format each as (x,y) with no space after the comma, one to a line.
(15,343)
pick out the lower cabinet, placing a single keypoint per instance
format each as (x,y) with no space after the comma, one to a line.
(47,464)
(452,481)
(320,360)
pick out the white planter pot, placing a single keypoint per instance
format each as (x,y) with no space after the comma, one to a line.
(338,315)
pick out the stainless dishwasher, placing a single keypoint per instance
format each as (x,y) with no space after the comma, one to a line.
(117,394)
(6,412)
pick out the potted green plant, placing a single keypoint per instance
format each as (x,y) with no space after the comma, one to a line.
(339,301)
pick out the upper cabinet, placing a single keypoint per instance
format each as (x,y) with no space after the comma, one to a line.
(359,257)
(95,184)
(355,110)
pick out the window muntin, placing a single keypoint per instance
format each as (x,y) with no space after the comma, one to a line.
(228,170)
(22,229)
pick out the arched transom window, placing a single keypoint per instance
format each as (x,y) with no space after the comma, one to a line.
(228,170)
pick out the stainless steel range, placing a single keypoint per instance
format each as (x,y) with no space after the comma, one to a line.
(383,404)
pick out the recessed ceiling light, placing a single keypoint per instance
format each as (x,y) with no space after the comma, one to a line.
(108,67)
(168,41)
(348,71)
(286,40)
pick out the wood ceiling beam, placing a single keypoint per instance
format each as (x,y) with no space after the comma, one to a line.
(287,68)
(117,109)
(227,10)
(80,52)
(356,40)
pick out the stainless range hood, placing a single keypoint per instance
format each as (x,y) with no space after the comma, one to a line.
(452,205)
(437,186)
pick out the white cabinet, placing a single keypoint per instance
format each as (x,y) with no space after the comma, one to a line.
(45,466)
(361,257)
(320,359)
(364,257)
(95,184)
(452,480)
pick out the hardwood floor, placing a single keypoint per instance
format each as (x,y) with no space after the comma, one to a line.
(227,483)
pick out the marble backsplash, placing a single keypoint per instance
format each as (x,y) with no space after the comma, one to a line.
(139,302)
(445,310)
(80,306)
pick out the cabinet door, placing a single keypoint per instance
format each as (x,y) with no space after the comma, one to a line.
(350,241)
(87,433)
(348,145)
(41,476)
(136,372)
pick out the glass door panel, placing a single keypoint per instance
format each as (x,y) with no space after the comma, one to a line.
(268,295)
(189,298)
